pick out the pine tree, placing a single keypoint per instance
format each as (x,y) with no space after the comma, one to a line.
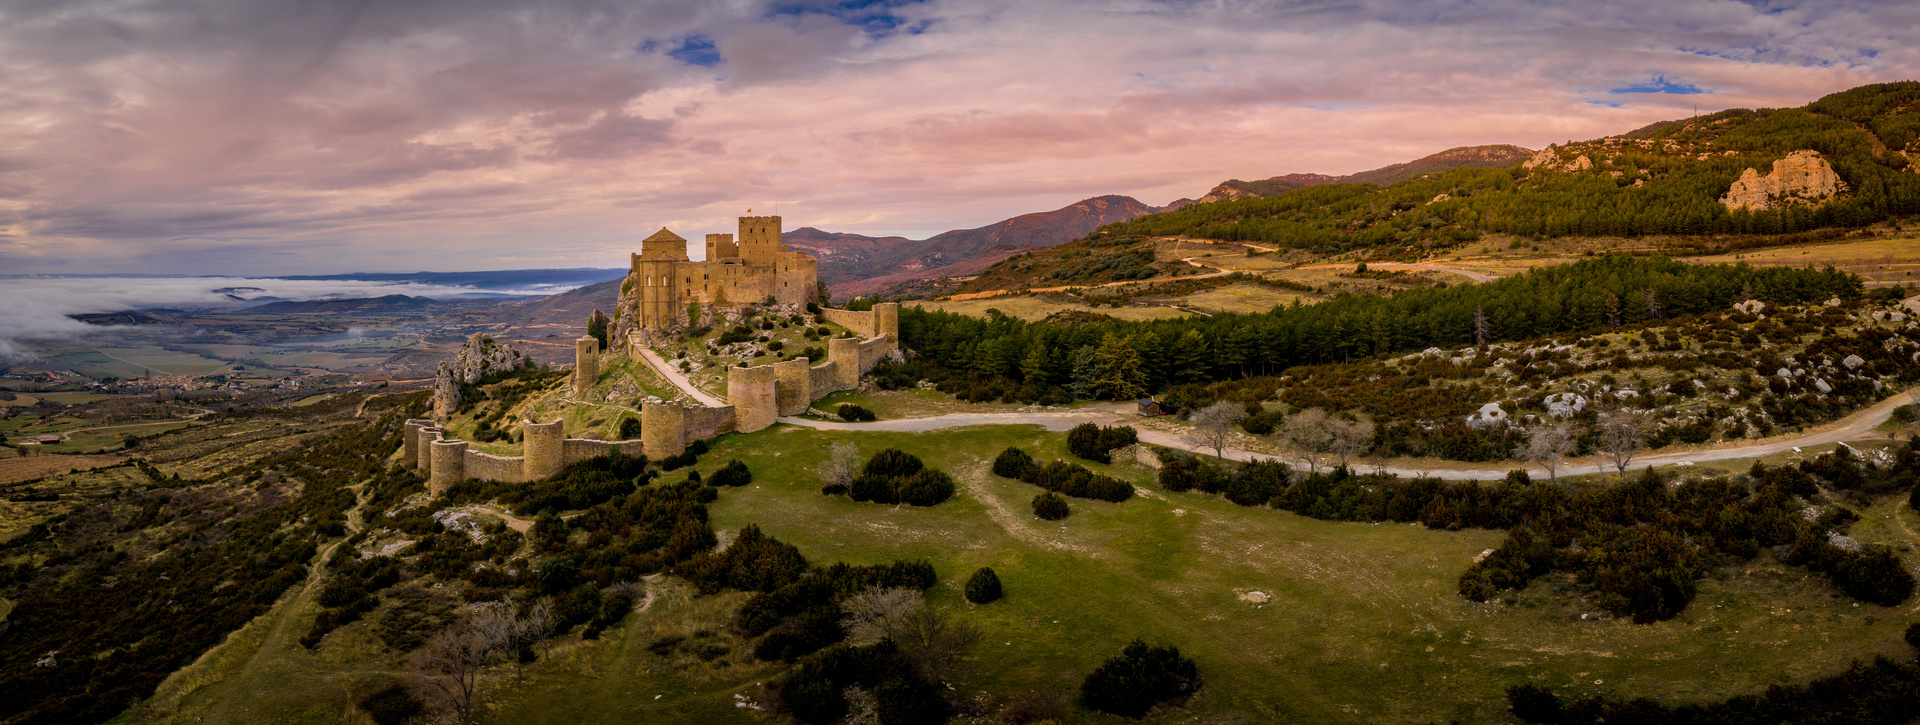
(1117,373)
(1036,369)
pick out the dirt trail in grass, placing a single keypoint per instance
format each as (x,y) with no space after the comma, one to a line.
(1015,524)
(679,381)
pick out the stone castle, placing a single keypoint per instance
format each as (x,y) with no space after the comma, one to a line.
(659,288)
(757,268)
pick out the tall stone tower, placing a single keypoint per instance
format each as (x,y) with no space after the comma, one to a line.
(760,239)
(653,273)
(586,364)
(721,246)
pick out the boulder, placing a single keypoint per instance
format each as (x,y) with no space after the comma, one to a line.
(1853,361)
(1565,405)
(1822,385)
(1751,307)
(1489,416)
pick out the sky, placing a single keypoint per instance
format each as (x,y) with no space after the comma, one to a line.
(266,137)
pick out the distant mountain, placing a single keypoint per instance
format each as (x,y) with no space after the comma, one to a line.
(1478,157)
(499,280)
(849,258)
(117,318)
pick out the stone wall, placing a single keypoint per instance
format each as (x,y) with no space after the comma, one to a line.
(489,467)
(424,447)
(663,429)
(861,323)
(826,379)
(872,351)
(449,466)
(544,448)
(704,422)
(410,442)
(751,393)
(586,449)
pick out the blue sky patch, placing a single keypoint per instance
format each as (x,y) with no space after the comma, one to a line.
(695,50)
(876,17)
(1660,84)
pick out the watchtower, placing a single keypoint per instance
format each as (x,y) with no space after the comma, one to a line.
(722,246)
(760,239)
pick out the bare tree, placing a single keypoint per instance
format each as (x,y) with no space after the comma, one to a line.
(453,659)
(933,641)
(1212,425)
(1652,300)
(1482,329)
(533,625)
(1622,433)
(843,462)
(1349,438)
(1548,445)
(1306,431)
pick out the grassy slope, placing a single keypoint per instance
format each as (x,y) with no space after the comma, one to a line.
(1364,625)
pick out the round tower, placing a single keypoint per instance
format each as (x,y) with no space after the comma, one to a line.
(792,386)
(410,442)
(844,353)
(544,448)
(424,447)
(663,429)
(750,392)
(449,466)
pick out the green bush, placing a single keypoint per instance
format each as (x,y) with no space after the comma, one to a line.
(1140,677)
(1050,506)
(1012,463)
(854,413)
(983,586)
(1913,635)
(893,462)
(391,705)
(1075,480)
(734,473)
(629,428)
(1093,442)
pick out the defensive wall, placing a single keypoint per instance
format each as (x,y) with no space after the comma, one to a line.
(755,397)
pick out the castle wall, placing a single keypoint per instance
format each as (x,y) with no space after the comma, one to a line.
(792,386)
(449,466)
(575,450)
(544,450)
(424,447)
(723,284)
(704,422)
(861,323)
(886,319)
(751,393)
(794,277)
(825,379)
(489,467)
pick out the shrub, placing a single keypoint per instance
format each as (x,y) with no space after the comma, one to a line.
(854,413)
(1913,635)
(391,705)
(893,462)
(1182,474)
(1140,677)
(629,428)
(734,473)
(929,487)
(1012,463)
(1050,506)
(834,489)
(1075,480)
(755,562)
(983,586)
(1093,442)
(1533,703)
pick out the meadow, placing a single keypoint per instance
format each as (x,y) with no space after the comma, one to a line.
(1352,622)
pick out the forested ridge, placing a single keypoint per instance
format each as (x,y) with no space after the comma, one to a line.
(1665,179)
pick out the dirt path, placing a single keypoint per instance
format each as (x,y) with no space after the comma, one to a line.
(1469,274)
(1853,427)
(679,381)
(1016,524)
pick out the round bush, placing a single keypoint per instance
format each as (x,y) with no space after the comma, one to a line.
(834,489)
(893,462)
(734,473)
(1913,635)
(1050,506)
(391,705)
(983,586)
(927,488)
(854,413)
(1140,677)
(1012,463)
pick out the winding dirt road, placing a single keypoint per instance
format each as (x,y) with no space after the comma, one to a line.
(679,381)
(1853,427)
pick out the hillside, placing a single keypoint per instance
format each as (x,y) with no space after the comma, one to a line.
(388,304)
(1473,157)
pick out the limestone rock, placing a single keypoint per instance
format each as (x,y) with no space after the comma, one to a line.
(446,393)
(1803,176)
(1822,385)
(481,356)
(1565,405)
(1751,307)
(1853,361)
(1489,416)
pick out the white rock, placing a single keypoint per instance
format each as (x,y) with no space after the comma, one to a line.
(1565,405)
(1822,385)
(1853,361)
(1489,415)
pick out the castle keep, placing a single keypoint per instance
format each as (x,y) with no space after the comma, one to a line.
(757,267)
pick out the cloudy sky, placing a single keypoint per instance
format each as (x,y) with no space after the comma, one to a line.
(282,136)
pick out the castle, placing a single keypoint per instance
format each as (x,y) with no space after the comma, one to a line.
(655,298)
(757,268)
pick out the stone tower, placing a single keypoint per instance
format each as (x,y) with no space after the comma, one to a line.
(760,239)
(586,364)
(721,246)
(654,278)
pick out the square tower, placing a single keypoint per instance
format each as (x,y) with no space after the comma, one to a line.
(721,246)
(760,239)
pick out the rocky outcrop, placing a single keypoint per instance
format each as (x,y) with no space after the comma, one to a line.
(1801,177)
(1549,158)
(446,393)
(481,356)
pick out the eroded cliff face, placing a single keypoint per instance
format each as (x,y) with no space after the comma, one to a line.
(1801,177)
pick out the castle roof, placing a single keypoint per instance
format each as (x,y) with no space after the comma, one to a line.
(664,236)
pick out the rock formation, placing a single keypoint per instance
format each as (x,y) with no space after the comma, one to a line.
(446,393)
(1799,178)
(481,356)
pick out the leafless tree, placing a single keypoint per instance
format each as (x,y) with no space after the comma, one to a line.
(1482,329)
(1622,433)
(1547,445)
(1213,424)
(843,462)
(1349,438)
(453,659)
(533,625)
(1306,431)
(1652,300)
(933,641)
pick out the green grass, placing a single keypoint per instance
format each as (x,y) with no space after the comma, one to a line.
(1364,624)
